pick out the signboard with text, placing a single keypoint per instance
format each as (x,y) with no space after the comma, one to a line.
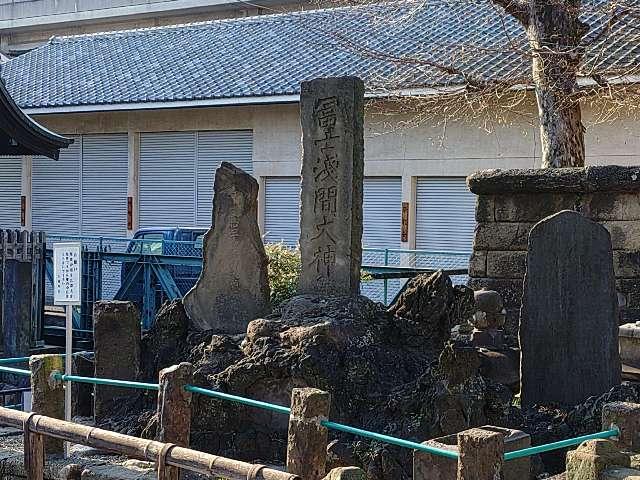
(67,273)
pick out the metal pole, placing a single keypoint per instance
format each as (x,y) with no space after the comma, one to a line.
(386,287)
(67,367)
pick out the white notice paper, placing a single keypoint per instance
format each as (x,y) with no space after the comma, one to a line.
(67,269)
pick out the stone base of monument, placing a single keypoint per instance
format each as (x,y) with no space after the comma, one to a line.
(491,338)
(629,337)
(429,466)
(501,366)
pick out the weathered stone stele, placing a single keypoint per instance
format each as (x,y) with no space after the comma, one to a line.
(116,338)
(233,288)
(568,321)
(332,116)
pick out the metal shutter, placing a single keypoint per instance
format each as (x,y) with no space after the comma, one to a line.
(282,210)
(167,179)
(55,192)
(382,220)
(10,190)
(382,213)
(445,215)
(105,161)
(213,148)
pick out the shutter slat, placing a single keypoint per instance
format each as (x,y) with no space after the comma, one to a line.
(10,189)
(167,179)
(215,147)
(104,184)
(445,214)
(282,210)
(55,192)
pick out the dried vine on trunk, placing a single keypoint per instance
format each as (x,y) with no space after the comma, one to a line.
(554,31)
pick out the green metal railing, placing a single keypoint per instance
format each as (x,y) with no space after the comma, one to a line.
(569,442)
(525,452)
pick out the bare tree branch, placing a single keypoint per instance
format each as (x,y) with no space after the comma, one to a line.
(516,8)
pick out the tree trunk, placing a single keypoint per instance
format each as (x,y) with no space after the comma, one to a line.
(554,33)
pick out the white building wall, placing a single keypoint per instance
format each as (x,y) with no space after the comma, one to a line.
(407,152)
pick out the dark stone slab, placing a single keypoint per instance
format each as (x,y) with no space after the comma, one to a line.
(332,117)
(116,347)
(580,180)
(569,315)
(233,288)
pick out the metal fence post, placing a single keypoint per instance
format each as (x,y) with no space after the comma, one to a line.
(386,287)
(307,441)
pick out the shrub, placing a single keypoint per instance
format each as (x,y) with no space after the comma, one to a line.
(284,269)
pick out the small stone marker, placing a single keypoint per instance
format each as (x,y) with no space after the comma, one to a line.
(47,396)
(624,416)
(307,438)
(569,316)
(233,288)
(332,117)
(481,454)
(116,338)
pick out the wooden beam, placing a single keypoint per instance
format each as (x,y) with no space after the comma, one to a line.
(185,458)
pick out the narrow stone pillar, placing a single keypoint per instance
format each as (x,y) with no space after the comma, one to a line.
(625,417)
(116,339)
(16,295)
(47,395)
(332,118)
(174,410)
(346,473)
(82,393)
(481,454)
(592,457)
(307,442)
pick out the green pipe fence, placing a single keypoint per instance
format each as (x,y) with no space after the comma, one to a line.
(107,381)
(8,361)
(15,371)
(569,442)
(525,452)
(242,400)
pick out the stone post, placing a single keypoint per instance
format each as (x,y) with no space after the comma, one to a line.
(174,410)
(346,473)
(332,117)
(307,442)
(626,417)
(116,338)
(82,393)
(47,395)
(481,454)
(591,458)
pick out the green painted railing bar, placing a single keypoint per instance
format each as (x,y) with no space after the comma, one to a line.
(5,361)
(569,442)
(234,398)
(15,371)
(107,381)
(391,440)
(525,452)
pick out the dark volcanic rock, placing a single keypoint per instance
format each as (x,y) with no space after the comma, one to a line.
(385,372)
(165,343)
(435,305)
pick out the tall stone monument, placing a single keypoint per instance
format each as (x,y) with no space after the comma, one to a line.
(569,316)
(233,288)
(332,117)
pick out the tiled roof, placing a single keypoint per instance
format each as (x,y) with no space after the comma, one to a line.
(271,54)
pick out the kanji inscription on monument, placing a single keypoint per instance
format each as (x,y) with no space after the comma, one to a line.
(332,117)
